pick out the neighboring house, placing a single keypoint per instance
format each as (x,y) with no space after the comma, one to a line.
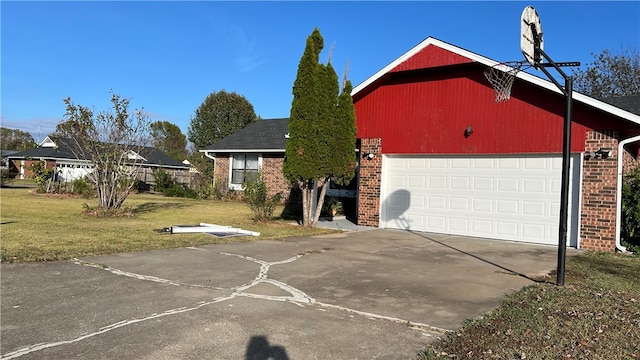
(5,163)
(501,179)
(57,154)
(438,154)
(258,147)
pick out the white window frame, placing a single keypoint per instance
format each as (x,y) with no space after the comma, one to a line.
(233,186)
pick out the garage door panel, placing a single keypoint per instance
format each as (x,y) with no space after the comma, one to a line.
(504,229)
(508,197)
(507,207)
(482,184)
(459,224)
(437,183)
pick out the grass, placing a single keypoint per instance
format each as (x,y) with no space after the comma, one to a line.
(43,228)
(596,315)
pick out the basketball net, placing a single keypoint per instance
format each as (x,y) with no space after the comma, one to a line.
(501,77)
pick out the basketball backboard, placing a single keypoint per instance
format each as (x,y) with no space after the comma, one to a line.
(530,34)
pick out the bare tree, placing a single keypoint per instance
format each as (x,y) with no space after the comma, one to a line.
(113,141)
(611,74)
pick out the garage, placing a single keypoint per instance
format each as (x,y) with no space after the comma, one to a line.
(509,197)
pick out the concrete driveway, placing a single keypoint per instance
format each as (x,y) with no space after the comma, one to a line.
(377,294)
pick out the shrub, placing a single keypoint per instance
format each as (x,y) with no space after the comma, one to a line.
(7,176)
(163,180)
(257,196)
(41,176)
(180,190)
(220,189)
(630,229)
(82,187)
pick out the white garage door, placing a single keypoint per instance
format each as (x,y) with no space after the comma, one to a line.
(508,197)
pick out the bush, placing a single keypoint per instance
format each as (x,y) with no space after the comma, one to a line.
(41,176)
(82,187)
(180,190)
(630,229)
(7,176)
(257,196)
(163,180)
(220,189)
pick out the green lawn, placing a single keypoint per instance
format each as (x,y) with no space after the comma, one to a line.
(41,228)
(596,315)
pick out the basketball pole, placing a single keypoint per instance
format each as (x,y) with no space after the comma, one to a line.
(567,90)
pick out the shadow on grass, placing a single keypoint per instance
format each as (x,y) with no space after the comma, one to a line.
(534,279)
(625,267)
(155,206)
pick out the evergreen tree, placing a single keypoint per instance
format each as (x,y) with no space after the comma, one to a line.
(220,114)
(15,139)
(321,141)
(169,138)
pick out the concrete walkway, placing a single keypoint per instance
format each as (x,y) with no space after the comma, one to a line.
(377,294)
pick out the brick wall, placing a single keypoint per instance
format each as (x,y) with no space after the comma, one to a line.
(271,173)
(599,177)
(370,181)
(221,169)
(629,161)
(28,174)
(273,177)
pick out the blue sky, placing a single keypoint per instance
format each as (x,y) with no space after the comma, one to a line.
(168,56)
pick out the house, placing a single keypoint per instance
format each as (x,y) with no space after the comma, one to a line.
(449,159)
(438,154)
(258,146)
(57,154)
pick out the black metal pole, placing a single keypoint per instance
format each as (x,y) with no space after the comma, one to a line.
(564,197)
(566,158)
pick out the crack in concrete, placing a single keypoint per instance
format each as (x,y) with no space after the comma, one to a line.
(297,297)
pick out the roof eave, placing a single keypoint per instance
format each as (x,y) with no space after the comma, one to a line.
(242,151)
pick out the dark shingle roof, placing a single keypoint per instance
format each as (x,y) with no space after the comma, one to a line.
(261,135)
(629,103)
(63,152)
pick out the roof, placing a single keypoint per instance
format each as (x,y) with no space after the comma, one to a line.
(400,64)
(629,103)
(266,135)
(60,149)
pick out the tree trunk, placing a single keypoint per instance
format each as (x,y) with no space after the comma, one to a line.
(323,191)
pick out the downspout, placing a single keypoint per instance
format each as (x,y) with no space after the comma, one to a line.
(206,153)
(621,145)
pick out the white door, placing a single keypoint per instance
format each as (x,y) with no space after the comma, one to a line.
(499,197)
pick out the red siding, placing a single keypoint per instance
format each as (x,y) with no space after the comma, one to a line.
(428,111)
(431,56)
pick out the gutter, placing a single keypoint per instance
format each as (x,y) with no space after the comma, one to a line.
(206,153)
(621,145)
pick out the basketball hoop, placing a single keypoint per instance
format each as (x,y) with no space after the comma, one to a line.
(501,77)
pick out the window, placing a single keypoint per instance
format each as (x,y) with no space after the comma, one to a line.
(244,168)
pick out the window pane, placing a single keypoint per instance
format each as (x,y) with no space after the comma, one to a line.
(238,161)
(252,162)
(237,176)
(251,175)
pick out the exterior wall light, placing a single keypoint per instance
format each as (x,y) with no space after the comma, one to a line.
(602,153)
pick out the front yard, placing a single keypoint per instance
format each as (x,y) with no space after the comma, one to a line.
(41,227)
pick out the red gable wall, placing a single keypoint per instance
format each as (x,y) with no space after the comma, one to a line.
(427,111)
(431,56)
